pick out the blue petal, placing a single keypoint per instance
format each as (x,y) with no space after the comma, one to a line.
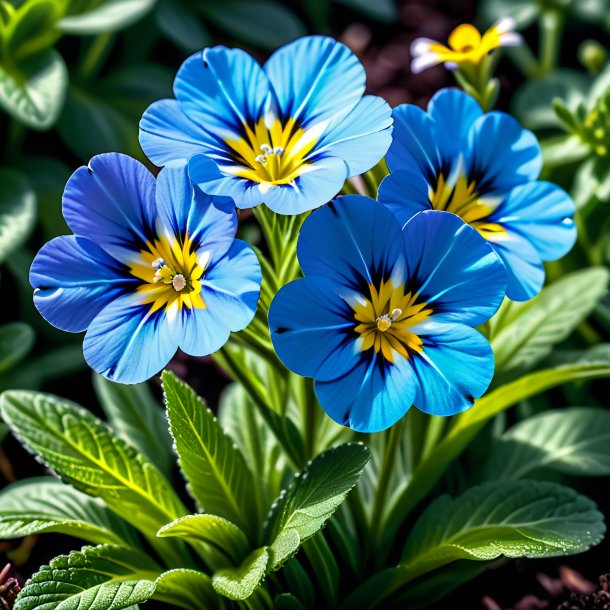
(73,280)
(316,79)
(362,138)
(222,90)
(127,344)
(210,222)
(455,367)
(112,202)
(453,268)
(542,213)
(453,113)
(371,397)
(167,134)
(312,329)
(405,193)
(325,178)
(503,154)
(352,239)
(414,141)
(523,265)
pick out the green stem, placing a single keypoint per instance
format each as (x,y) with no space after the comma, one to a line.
(551,30)
(95,55)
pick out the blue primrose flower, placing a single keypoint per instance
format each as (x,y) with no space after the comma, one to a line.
(288,133)
(152,266)
(484,168)
(384,317)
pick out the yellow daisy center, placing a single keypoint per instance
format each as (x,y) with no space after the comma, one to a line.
(271,152)
(170,273)
(386,318)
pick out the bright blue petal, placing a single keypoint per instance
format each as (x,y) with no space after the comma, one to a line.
(453,268)
(405,193)
(371,397)
(167,134)
(232,284)
(523,265)
(325,178)
(502,153)
(73,280)
(112,202)
(316,79)
(453,112)
(222,90)
(312,329)
(543,214)
(209,222)
(413,141)
(351,240)
(455,367)
(127,344)
(362,138)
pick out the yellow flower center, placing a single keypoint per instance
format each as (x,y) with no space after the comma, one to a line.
(385,320)
(459,196)
(272,152)
(170,273)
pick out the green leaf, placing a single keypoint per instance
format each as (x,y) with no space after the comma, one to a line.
(574,441)
(181,25)
(263,23)
(188,589)
(34,91)
(215,469)
(563,149)
(17,210)
(87,454)
(16,340)
(135,415)
(108,16)
(239,583)
(522,334)
(215,531)
(311,499)
(287,601)
(44,504)
(95,578)
(510,518)
(524,12)
(382,10)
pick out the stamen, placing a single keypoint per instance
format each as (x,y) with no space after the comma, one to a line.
(278,150)
(158,263)
(261,159)
(178,282)
(266,149)
(384,322)
(396,313)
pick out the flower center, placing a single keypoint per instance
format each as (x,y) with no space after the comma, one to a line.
(170,273)
(271,152)
(386,318)
(458,195)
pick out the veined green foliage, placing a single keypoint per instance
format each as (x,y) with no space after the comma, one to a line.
(44,504)
(215,469)
(92,16)
(16,340)
(87,454)
(241,582)
(17,208)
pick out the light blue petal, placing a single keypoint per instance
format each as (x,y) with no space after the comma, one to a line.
(455,367)
(453,268)
(73,280)
(221,90)
(362,138)
(503,154)
(167,134)
(405,193)
(127,344)
(371,397)
(543,214)
(413,141)
(352,240)
(112,202)
(453,113)
(523,265)
(209,222)
(310,190)
(316,79)
(232,284)
(312,329)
